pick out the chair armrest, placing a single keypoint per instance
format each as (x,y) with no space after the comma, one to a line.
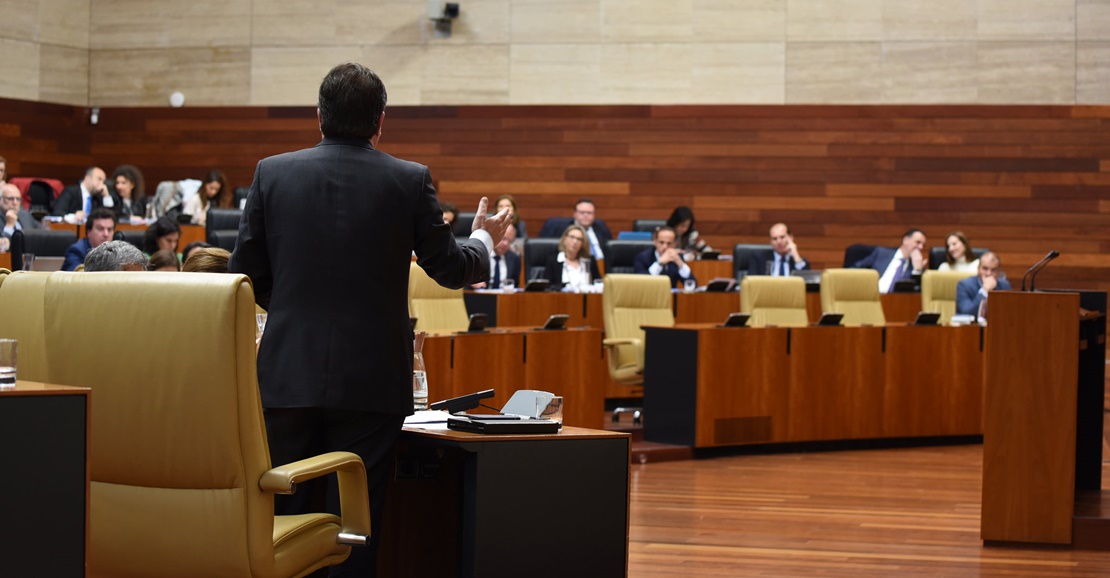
(354,497)
(613,342)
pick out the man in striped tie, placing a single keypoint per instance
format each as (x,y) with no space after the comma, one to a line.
(896,264)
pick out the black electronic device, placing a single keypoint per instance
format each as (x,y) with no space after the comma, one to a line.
(830,319)
(736,320)
(484,425)
(720,285)
(556,321)
(710,256)
(478,322)
(463,402)
(536,285)
(926,318)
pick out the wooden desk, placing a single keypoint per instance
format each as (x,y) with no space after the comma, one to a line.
(712,386)
(6,261)
(704,306)
(469,505)
(706,271)
(531,309)
(569,363)
(44,492)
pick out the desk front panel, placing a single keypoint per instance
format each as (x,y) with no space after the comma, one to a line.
(934,381)
(836,383)
(531,309)
(704,306)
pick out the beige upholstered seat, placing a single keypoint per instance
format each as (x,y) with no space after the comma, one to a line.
(181,482)
(938,292)
(631,301)
(774,301)
(853,292)
(436,308)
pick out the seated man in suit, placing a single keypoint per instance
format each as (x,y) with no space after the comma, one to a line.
(783,257)
(77,201)
(98,230)
(597,232)
(972,290)
(896,264)
(664,258)
(503,263)
(15,216)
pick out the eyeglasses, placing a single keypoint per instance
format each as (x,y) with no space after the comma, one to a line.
(12,198)
(579,239)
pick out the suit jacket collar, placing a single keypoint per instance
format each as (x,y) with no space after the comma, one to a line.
(354,142)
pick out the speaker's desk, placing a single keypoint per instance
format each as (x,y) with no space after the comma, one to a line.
(568,362)
(472,505)
(711,386)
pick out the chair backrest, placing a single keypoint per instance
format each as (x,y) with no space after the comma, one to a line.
(177,447)
(48,242)
(240,196)
(620,255)
(648,225)
(435,308)
(632,301)
(853,253)
(536,252)
(853,292)
(938,255)
(463,223)
(938,292)
(133,236)
(38,192)
(633,236)
(774,301)
(741,253)
(224,239)
(221,219)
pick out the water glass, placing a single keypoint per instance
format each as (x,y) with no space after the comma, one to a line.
(599,286)
(28,261)
(550,408)
(690,285)
(508,286)
(260,319)
(9,349)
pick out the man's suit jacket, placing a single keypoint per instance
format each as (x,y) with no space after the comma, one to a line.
(26,221)
(757,262)
(75,254)
(554,271)
(70,201)
(554,227)
(512,267)
(968,297)
(879,260)
(643,261)
(326,239)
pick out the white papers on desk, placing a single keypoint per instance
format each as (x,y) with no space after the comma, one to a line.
(428,419)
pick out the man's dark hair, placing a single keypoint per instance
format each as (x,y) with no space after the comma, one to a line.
(352,99)
(98,214)
(910,232)
(158,229)
(583,200)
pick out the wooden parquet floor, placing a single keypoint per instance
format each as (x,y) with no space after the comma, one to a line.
(873,513)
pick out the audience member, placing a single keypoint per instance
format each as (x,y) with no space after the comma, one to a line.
(164,260)
(213,192)
(77,201)
(99,229)
(129,186)
(508,202)
(15,216)
(167,200)
(664,258)
(958,255)
(503,263)
(207,260)
(597,232)
(3,170)
(115,256)
(898,263)
(450,212)
(572,266)
(782,259)
(188,250)
(160,235)
(971,291)
(687,241)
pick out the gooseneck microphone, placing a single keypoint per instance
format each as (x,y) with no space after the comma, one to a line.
(1036,268)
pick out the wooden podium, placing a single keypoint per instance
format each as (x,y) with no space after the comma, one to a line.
(1032,414)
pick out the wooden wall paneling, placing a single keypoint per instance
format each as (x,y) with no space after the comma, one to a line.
(437,362)
(493,360)
(569,363)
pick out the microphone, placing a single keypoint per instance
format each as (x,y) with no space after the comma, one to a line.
(1036,268)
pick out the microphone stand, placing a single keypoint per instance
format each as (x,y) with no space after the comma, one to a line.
(1036,268)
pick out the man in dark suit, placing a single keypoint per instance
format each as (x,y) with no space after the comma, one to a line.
(77,201)
(16,218)
(504,264)
(98,230)
(782,259)
(899,263)
(597,232)
(335,363)
(973,290)
(664,258)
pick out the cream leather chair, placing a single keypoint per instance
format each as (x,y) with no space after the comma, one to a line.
(181,480)
(629,302)
(853,292)
(774,301)
(436,308)
(938,292)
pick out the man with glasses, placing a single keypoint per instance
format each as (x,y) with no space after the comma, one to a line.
(585,216)
(664,258)
(16,218)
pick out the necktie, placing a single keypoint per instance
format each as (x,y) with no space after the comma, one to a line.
(88,206)
(903,269)
(496,282)
(785,273)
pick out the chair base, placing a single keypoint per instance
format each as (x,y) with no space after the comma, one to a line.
(637,414)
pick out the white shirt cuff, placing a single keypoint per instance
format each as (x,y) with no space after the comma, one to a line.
(486,239)
(655,268)
(684,271)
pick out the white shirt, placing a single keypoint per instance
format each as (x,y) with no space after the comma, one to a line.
(595,245)
(504,268)
(656,268)
(575,278)
(777,271)
(106,201)
(886,282)
(962,266)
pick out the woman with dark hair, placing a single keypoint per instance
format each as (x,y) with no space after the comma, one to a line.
(687,241)
(958,255)
(213,189)
(128,183)
(572,266)
(450,212)
(164,260)
(507,201)
(163,234)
